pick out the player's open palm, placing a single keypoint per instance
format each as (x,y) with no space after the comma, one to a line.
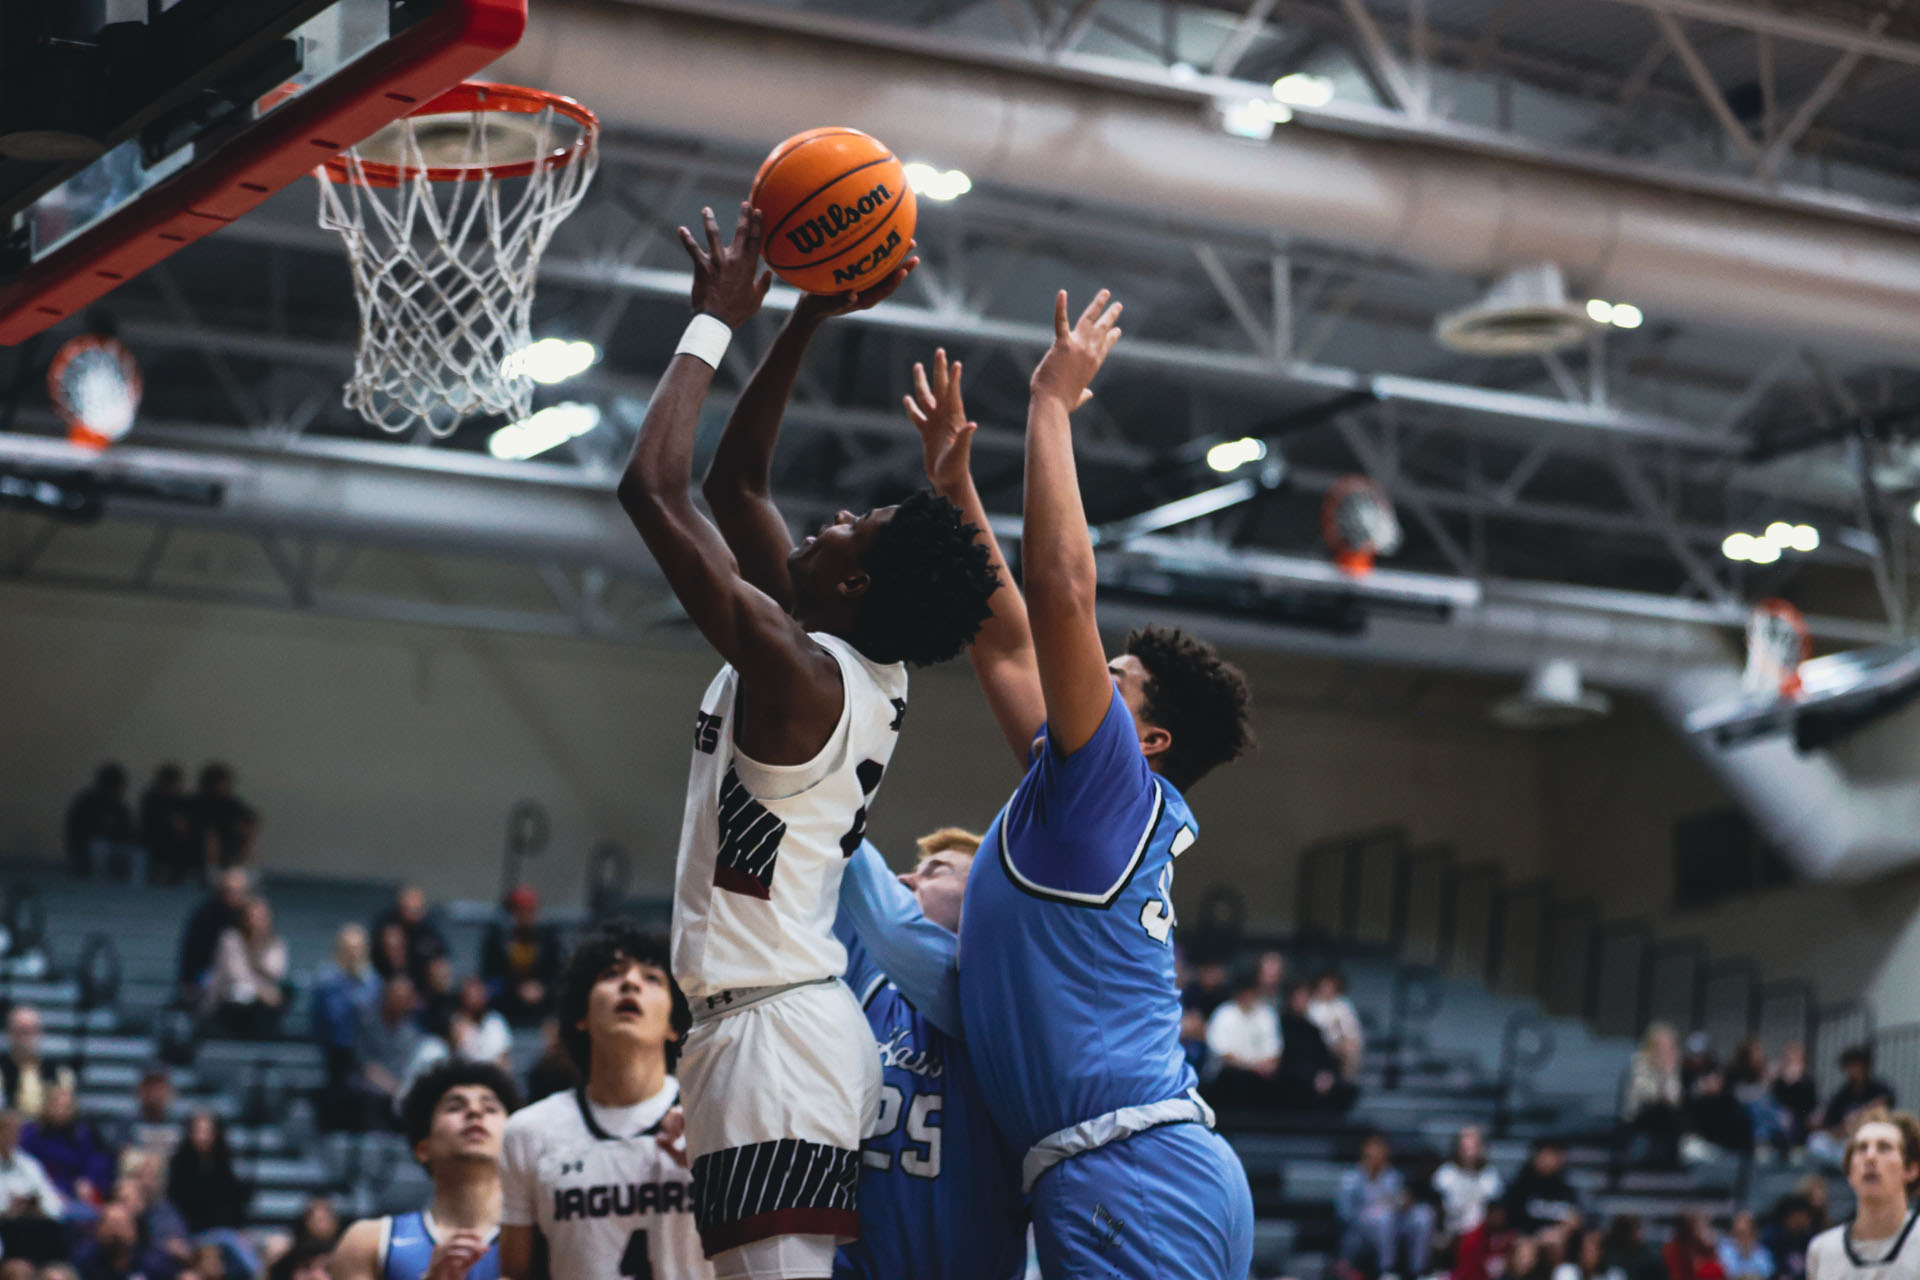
(727,281)
(455,1256)
(1079,349)
(940,416)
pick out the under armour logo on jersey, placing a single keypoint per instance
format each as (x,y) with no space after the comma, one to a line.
(868,773)
(725,997)
(706,733)
(572,1166)
(899,713)
(1107,1226)
(750,839)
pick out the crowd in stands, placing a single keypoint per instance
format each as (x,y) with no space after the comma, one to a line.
(1260,1042)
(177,836)
(1683,1108)
(1467,1220)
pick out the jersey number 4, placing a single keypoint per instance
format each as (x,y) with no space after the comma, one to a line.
(634,1262)
(923,1129)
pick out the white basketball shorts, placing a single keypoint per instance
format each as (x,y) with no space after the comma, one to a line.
(780,1091)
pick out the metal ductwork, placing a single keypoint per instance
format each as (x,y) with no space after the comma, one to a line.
(1726,257)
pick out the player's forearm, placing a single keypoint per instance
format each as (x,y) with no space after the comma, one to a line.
(659,475)
(742,466)
(1056,547)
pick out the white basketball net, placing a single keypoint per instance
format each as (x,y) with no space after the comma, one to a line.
(444,270)
(1776,639)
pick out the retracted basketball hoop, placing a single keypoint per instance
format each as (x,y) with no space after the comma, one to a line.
(1359,525)
(446,214)
(1777,643)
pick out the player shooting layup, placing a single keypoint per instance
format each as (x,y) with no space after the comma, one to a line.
(792,740)
(1066,959)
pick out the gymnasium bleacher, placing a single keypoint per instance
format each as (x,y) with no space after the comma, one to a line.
(1446,1049)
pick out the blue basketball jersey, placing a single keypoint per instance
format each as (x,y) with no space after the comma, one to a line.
(406,1247)
(1066,940)
(939,1191)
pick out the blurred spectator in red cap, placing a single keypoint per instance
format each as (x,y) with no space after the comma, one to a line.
(520,960)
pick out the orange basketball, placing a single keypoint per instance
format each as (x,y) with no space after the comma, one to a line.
(839,214)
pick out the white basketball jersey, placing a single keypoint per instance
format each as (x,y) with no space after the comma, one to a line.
(609,1205)
(762,847)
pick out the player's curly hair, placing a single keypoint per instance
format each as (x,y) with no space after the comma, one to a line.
(1198,697)
(613,942)
(424,1095)
(931,580)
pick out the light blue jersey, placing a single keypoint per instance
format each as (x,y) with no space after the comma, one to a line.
(939,1190)
(406,1247)
(1072,1016)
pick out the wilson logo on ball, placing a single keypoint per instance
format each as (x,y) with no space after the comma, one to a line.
(829,224)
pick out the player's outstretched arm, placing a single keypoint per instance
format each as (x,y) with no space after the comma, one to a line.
(915,954)
(1056,548)
(1002,654)
(747,626)
(357,1256)
(739,483)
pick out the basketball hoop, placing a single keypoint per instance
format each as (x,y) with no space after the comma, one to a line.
(1777,643)
(94,383)
(445,215)
(1358,523)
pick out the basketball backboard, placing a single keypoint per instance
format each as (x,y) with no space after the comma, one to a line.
(1837,694)
(131,128)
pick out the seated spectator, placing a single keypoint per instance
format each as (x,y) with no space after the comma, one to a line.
(1652,1108)
(75,1156)
(1586,1258)
(390,951)
(302,1262)
(1526,1260)
(1860,1090)
(478,1033)
(1627,1254)
(30,1207)
(1742,1256)
(1309,1073)
(99,824)
(1793,1093)
(520,960)
(24,1073)
(1792,1229)
(424,941)
(1690,1253)
(1750,1081)
(439,999)
(113,1251)
(1243,1035)
(1339,1023)
(1540,1196)
(554,1071)
(1208,990)
(1270,971)
(1465,1185)
(218,912)
(141,1192)
(201,1180)
(1481,1252)
(247,988)
(343,990)
(166,827)
(1377,1219)
(1193,1042)
(387,1050)
(153,1127)
(319,1223)
(225,829)
(1715,1118)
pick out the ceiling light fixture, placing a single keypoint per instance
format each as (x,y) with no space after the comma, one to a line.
(550,360)
(937,184)
(1231,455)
(551,427)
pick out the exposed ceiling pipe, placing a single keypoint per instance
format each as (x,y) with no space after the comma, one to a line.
(1711,258)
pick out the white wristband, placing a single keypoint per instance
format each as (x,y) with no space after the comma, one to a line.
(706,339)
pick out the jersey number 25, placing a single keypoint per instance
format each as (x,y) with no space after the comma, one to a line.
(923,1130)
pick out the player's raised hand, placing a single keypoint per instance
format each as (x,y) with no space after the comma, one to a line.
(727,281)
(940,416)
(820,306)
(1079,349)
(455,1256)
(672,1137)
